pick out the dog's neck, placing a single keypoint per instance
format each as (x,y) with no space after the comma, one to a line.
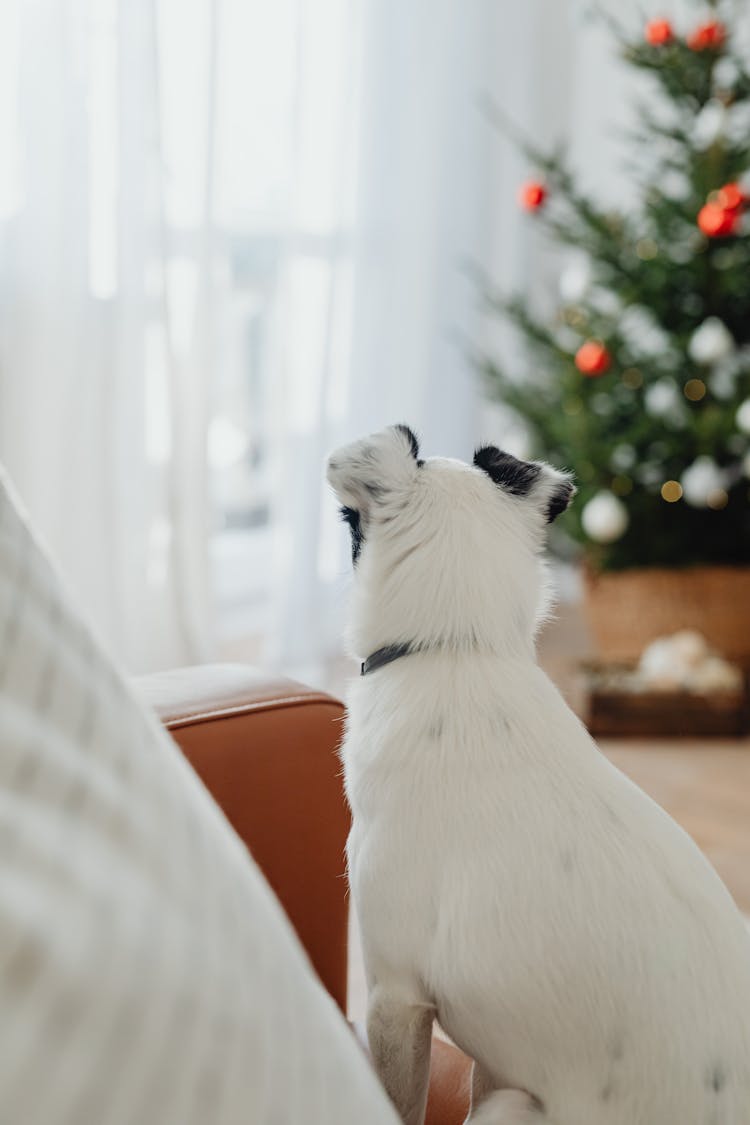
(386,655)
(476,612)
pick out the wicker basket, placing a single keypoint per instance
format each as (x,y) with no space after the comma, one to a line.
(627,609)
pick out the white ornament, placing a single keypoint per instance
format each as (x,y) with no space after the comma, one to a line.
(575,280)
(722,382)
(623,457)
(662,398)
(605,302)
(715,674)
(701,479)
(604,518)
(658,667)
(711,342)
(641,331)
(675,185)
(726,72)
(689,647)
(738,119)
(743,417)
(709,125)
(650,474)
(685,662)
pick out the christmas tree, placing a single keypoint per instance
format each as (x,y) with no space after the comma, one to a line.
(640,382)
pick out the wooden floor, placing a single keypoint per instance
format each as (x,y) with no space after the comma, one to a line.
(703,784)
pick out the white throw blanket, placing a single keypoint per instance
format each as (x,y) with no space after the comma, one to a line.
(147,973)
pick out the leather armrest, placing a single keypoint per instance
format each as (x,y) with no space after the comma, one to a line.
(266,749)
(449,1095)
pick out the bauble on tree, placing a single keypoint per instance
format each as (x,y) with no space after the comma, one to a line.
(658,33)
(731,197)
(605,518)
(708,36)
(592,358)
(711,342)
(532,195)
(716,221)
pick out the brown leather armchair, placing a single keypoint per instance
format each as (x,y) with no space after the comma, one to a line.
(266,750)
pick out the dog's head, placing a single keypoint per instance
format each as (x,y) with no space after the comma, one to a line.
(444,553)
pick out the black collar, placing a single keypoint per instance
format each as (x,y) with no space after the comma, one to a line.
(385,656)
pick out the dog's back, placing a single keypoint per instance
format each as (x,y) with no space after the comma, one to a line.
(570,935)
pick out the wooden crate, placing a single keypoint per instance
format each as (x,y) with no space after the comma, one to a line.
(627,609)
(614,713)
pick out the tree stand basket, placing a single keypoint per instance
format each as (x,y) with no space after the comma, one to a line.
(628,609)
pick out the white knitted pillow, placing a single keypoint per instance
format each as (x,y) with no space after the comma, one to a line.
(147,973)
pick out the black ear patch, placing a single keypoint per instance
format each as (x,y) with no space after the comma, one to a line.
(411,437)
(518,477)
(351,517)
(560,499)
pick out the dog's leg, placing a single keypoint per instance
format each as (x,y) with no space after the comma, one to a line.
(499,1107)
(481,1086)
(506,1107)
(400,1036)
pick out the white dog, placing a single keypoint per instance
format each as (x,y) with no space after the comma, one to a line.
(509,881)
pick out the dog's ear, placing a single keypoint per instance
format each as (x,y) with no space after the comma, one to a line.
(515,476)
(376,469)
(558,489)
(550,489)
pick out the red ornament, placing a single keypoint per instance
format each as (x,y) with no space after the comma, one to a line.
(592,358)
(707,36)
(730,197)
(716,221)
(658,33)
(532,195)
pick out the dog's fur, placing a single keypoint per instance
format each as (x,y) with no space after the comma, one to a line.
(509,881)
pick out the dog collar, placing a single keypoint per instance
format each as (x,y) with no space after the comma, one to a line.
(385,656)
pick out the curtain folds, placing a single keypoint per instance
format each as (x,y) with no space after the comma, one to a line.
(103,394)
(233,235)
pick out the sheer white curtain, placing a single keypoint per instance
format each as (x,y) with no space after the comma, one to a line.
(106,315)
(401,306)
(232,235)
(435,193)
